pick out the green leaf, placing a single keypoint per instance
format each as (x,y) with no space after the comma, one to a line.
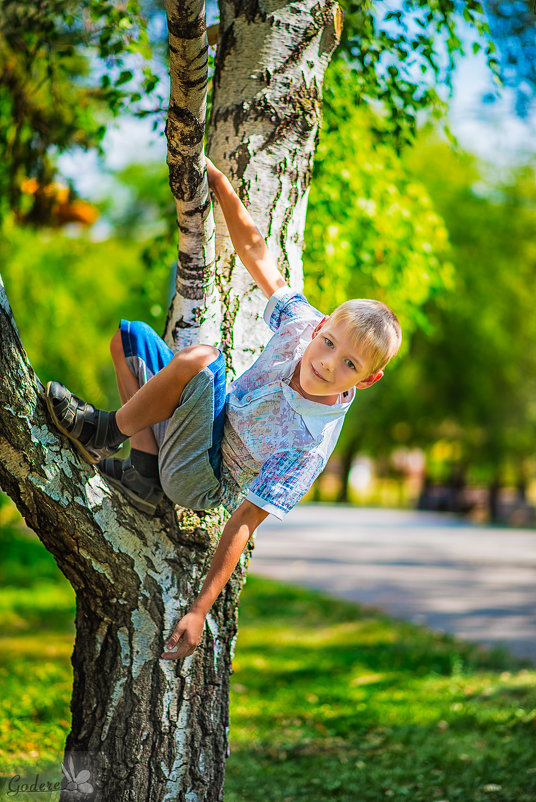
(124,77)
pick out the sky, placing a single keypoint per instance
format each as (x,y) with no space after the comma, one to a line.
(490,130)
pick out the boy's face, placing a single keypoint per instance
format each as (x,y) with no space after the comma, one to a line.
(333,363)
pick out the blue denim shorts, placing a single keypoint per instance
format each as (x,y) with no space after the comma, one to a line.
(189,442)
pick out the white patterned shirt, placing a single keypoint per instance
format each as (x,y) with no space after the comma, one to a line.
(276,442)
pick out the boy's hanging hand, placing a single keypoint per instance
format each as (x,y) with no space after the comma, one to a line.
(234,537)
(187,634)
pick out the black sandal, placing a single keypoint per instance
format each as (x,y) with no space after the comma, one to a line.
(70,413)
(144,493)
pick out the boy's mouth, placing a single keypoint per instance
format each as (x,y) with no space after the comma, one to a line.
(318,374)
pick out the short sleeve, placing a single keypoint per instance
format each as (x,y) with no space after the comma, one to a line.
(285,305)
(284,479)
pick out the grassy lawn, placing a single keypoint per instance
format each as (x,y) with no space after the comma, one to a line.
(330,700)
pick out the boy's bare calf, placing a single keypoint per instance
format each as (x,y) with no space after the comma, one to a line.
(159,398)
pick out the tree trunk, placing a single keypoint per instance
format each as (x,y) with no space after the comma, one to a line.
(347,458)
(144,728)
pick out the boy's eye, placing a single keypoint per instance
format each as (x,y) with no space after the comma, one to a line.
(328,342)
(350,364)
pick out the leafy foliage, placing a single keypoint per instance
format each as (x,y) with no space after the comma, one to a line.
(486,329)
(63,73)
(465,390)
(67,294)
(371,229)
(399,52)
(67,67)
(513,27)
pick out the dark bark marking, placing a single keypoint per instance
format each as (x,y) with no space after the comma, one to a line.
(303,116)
(282,233)
(183,128)
(193,63)
(232,306)
(242,157)
(184,179)
(181,323)
(190,289)
(225,47)
(299,108)
(252,11)
(186,29)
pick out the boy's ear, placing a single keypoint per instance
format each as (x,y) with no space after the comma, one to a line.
(318,327)
(370,380)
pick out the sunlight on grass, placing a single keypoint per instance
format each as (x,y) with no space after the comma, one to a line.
(36,643)
(351,703)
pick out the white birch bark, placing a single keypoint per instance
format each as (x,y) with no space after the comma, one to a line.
(195,311)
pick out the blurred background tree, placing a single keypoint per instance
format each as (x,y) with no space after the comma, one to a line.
(63,76)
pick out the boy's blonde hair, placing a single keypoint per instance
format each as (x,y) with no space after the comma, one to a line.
(373,327)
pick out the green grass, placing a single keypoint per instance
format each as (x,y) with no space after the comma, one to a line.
(36,642)
(334,700)
(329,699)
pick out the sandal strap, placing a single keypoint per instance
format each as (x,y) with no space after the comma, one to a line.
(112,466)
(147,489)
(139,488)
(73,413)
(98,438)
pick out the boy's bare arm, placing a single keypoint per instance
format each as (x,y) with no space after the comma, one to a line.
(247,239)
(235,535)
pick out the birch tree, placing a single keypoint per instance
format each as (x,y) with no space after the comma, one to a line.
(143,728)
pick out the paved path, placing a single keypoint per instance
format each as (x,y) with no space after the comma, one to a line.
(474,581)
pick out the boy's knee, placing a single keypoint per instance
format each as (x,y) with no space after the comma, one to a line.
(196,357)
(116,345)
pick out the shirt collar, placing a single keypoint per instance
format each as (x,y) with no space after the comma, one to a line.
(315,415)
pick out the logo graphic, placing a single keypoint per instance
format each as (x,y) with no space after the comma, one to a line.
(77,782)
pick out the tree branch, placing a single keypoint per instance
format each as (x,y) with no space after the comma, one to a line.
(84,523)
(195,303)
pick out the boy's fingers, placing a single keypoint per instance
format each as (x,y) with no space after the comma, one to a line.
(184,639)
(170,654)
(176,636)
(184,650)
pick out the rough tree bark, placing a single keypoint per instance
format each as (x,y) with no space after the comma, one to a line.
(147,729)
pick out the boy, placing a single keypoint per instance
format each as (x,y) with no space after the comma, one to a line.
(257,448)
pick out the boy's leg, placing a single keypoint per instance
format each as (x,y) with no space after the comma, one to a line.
(128,385)
(158,399)
(97,434)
